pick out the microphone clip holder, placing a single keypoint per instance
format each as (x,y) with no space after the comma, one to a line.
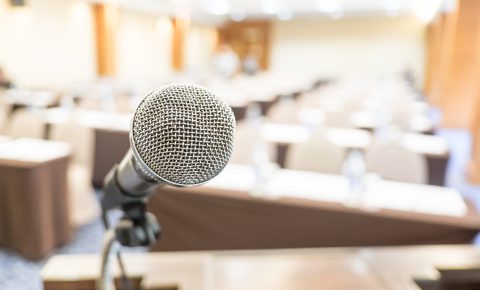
(137,227)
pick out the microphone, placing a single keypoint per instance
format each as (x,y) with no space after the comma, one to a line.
(181,135)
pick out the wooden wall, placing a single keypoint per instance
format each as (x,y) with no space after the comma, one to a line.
(180,27)
(106,24)
(434,57)
(453,72)
(248,37)
(453,48)
(474,166)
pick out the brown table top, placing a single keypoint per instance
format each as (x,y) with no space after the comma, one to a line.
(27,152)
(471,220)
(295,212)
(93,119)
(331,192)
(34,209)
(300,269)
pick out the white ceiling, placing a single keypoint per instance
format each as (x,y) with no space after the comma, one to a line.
(284,9)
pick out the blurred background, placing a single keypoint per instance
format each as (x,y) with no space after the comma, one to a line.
(357,121)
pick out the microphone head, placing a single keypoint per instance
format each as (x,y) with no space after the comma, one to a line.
(182,134)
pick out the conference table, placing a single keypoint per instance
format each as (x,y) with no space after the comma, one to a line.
(240,93)
(264,101)
(110,131)
(434,148)
(14,99)
(243,208)
(88,118)
(394,268)
(369,120)
(34,215)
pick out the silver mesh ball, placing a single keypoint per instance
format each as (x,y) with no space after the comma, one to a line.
(183,133)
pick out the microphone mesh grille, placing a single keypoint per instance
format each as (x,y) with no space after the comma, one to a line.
(184,133)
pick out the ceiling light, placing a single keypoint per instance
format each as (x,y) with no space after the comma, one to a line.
(285,14)
(449,6)
(237,16)
(392,7)
(217,7)
(328,6)
(426,10)
(270,6)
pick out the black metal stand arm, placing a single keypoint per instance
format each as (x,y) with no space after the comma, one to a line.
(136,228)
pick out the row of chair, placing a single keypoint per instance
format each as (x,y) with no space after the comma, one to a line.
(28,124)
(389,159)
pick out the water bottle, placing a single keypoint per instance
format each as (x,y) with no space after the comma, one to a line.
(354,169)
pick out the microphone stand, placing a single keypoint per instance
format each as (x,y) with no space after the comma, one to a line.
(136,228)
(110,246)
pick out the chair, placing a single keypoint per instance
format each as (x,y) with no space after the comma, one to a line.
(393,161)
(84,207)
(3,118)
(340,119)
(247,141)
(310,99)
(317,154)
(89,104)
(286,111)
(26,123)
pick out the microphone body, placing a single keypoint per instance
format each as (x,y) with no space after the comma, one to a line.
(181,135)
(126,183)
